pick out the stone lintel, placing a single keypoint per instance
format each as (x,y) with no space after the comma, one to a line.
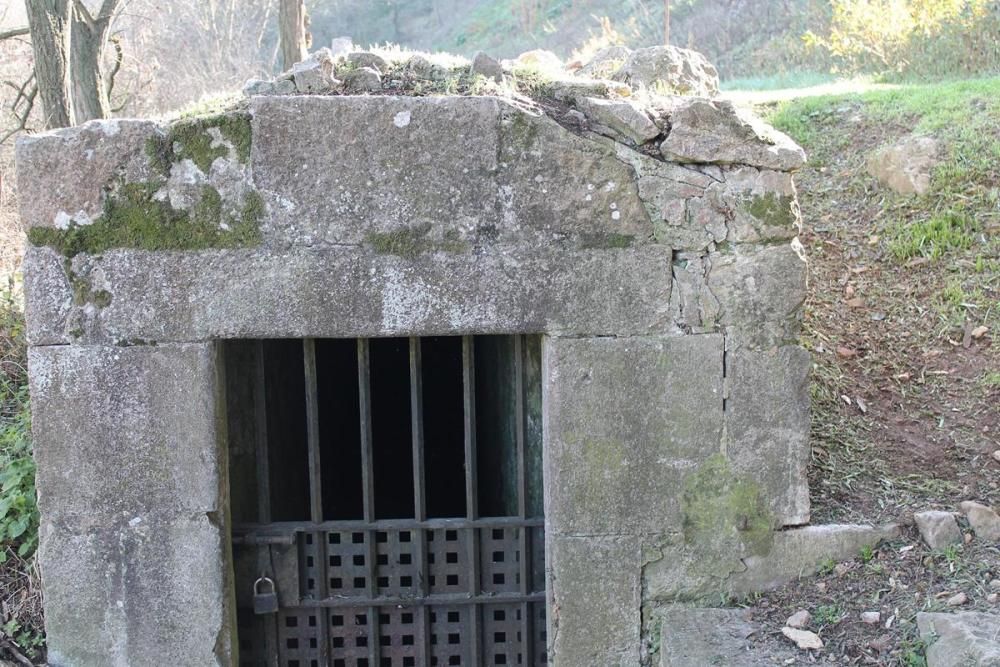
(344,293)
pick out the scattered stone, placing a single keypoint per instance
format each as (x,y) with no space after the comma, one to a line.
(363,80)
(422,68)
(983,520)
(996,456)
(606,62)
(618,118)
(539,59)
(484,65)
(840,569)
(906,166)
(315,73)
(670,70)
(720,133)
(277,87)
(957,600)
(939,529)
(992,598)
(803,638)
(871,617)
(995,585)
(821,587)
(960,639)
(362,59)
(799,619)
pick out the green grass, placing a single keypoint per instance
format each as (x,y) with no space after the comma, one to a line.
(932,238)
(781,81)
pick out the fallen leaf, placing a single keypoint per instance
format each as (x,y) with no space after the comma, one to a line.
(861,404)
(917,262)
(848,291)
(979,332)
(846,399)
(846,352)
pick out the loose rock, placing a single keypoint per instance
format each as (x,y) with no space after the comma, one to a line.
(871,617)
(361,59)
(906,166)
(799,619)
(960,639)
(315,73)
(957,600)
(484,65)
(803,638)
(606,62)
(983,520)
(668,69)
(992,598)
(364,80)
(939,529)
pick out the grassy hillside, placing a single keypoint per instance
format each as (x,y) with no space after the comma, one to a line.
(907,380)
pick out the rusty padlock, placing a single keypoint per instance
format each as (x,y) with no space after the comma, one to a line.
(264,602)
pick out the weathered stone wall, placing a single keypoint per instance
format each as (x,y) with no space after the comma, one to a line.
(652,244)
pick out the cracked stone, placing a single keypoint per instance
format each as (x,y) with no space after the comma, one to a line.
(983,520)
(620,118)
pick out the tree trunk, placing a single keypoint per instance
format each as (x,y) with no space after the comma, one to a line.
(292,32)
(666,22)
(50,22)
(90,92)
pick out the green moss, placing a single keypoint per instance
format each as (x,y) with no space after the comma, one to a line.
(190,139)
(410,242)
(774,210)
(724,513)
(132,218)
(601,241)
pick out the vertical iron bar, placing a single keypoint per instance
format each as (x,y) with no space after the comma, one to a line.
(263,473)
(419,497)
(471,485)
(368,490)
(365,396)
(316,488)
(524,563)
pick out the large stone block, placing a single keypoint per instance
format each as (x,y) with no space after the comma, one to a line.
(760,292)
(594,612)
(767,425)
(626,419)
(62,175)
(136,592)
(335,170)
(556,185)
(960,639)
(126,432)
(343,292)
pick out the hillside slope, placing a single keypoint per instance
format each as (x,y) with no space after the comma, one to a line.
(903,317)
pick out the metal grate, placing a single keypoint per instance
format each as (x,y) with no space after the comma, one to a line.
(369,591)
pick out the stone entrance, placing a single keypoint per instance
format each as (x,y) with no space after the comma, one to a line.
(658,270)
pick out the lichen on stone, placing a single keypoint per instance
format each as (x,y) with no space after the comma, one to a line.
(773,209)
(134,218)
(192,139)
(725,513)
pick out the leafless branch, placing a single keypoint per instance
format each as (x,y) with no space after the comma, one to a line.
(116,41)
(16,32)
(23,117)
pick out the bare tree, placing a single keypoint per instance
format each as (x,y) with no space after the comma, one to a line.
(50,21)
(666,22)
(91,85)
(292,32)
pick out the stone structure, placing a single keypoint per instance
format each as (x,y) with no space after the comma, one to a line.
(651,244)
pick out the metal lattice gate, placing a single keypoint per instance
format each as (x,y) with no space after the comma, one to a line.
(371,590)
